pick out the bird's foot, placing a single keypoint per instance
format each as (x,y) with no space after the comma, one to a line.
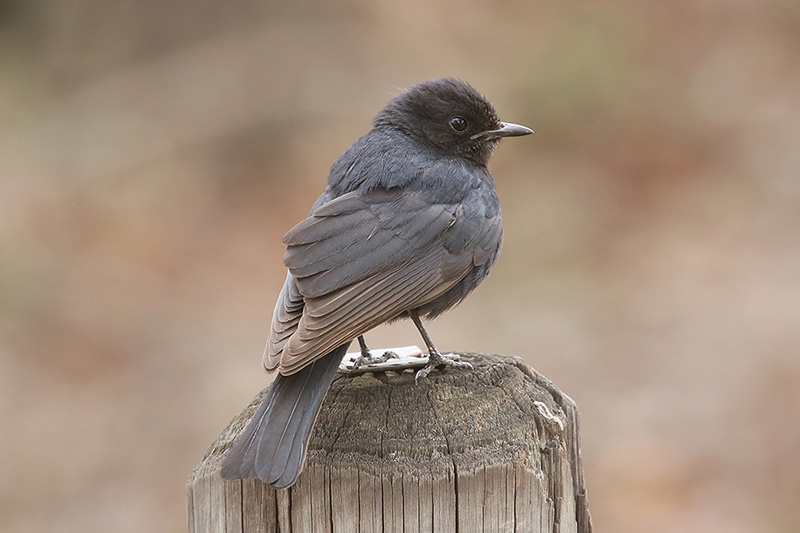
(369,359)
(435,359)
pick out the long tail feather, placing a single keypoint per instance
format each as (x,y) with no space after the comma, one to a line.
(273,446)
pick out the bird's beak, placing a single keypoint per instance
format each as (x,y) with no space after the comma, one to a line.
(506,129)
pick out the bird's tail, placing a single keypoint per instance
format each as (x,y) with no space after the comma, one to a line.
(273,446)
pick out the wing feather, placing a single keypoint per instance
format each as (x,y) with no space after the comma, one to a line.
(362,308)
(285,318)
(390,232)
(367,257)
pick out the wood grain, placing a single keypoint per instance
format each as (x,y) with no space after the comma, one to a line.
(492,449)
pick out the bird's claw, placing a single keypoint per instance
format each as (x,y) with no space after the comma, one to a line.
(435,359)
(374,359)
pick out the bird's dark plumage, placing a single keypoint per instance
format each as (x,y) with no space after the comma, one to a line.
(273,446)
(408,224)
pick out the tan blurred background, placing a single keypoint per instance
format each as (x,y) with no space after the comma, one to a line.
(152,154)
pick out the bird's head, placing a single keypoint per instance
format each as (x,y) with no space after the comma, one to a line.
(449,115)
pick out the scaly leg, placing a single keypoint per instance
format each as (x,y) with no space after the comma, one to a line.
(367,358)
(435,358)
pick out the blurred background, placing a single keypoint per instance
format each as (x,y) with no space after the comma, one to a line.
(152,154)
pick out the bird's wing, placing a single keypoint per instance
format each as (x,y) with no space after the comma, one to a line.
(285,318)
(365,258)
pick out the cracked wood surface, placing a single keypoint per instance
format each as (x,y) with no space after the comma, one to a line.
(493,449)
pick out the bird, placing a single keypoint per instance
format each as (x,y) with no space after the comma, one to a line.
(407,226)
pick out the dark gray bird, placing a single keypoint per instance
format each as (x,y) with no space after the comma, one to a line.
(408,225)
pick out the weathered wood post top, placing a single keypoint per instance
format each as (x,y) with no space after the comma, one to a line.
(491,449)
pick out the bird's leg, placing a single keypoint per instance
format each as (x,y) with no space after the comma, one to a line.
(435,358)
(367,358)
(363,345)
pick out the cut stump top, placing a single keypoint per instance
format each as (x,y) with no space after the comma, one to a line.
(455,424)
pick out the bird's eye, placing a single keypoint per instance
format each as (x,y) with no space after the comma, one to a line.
(458,124)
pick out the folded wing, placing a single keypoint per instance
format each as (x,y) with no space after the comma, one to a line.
(364,258)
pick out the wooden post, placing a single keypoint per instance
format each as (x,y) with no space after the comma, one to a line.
(492,449)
